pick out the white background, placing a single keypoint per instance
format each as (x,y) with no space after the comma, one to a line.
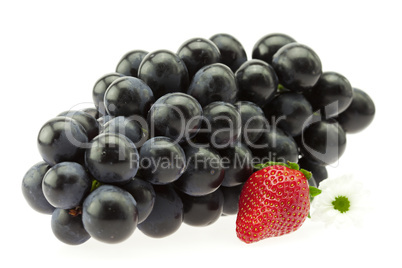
(52,53)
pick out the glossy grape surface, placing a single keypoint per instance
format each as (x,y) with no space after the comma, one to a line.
(110,214)
(232,51)
(231,196)
(112,158)
(175,115)
(257,82)
(128,96)
(215,82)
(202,210)
(66,184)
(162,160)
(268,45)
(134,128)
(297,66)
(164,72)
(204,173)
(197,53)
(130,62)
(290,111)
(323,142)
(359,114)
(88,122)
(32,188)
(319,173)
(99,89)
(62,139)
(166,216)
(67,228)
(252,121)
(144,195)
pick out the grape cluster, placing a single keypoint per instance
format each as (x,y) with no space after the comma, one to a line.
(173,136)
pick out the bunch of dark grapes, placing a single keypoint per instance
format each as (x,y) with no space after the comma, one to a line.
(173,136)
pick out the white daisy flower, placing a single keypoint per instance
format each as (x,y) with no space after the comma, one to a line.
(342,202)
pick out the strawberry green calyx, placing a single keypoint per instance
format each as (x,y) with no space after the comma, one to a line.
(289,164)
(314,191)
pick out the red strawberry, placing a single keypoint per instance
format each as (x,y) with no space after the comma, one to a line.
(274,201)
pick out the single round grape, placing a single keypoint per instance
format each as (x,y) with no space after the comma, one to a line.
(112,158)
(202,210)
(257,82)
(231,196)
(128,96)
(88,122)
(62,139)
(359,114)
(133,127)
(197,53)
(66,184)
(204,173)
(130,62)
(276,146)
(232,52)
(162,160)
(214,82)
(224,122)
(167,214)
(297,66)
(164,72)
(237,163)
(32,188)
(175,115)
(268,45)
(290,111)
(331,89)
(110,214)
(144,195)
(323,142)
(67,228)
(252,121)
(99,89)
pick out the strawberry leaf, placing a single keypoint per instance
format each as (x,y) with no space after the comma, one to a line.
(268,164)
(293,165)
(306,173)
(314,191)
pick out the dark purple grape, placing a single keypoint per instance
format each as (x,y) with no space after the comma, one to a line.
(204,173)
(164,72)
(67,228)
(32,188)
(88,122)
(359,114)
(224,122)
(237,163)
(197,53)
(162,160)
(276,146)
(232,51)
(257,82)
(268,45)
(62,139)
(214,82)
(332,94)
(202,210)
(130,62)
(66,184)
(231,196)
(319,173)
(323,142)
(92,112)
(175,115)
(297,66)
(110,214)
(128,96)
(112,158)
(252,121)
(144,195)
(133,127)
(289,111)
(167,214)
(99,89)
